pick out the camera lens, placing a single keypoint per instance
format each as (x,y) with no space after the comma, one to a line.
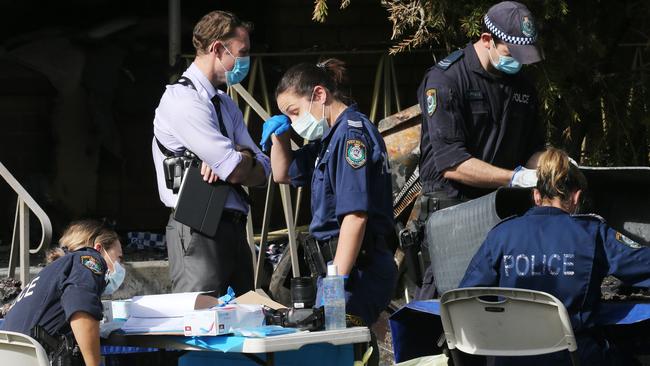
(303,292)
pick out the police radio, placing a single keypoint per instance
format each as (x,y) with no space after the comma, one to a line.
(174,165)
(174,168)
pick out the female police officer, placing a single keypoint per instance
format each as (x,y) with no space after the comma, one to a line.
(65,296)
(549,249)
(346,163)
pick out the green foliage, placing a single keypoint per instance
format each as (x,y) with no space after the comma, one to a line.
(593,85)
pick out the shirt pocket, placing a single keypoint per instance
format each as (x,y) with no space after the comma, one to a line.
(320,169)
(480,112)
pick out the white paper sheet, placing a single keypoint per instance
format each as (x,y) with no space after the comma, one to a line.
(163,306)
(154,325)
(164,313)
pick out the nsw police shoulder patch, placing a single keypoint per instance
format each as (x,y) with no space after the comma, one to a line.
(355,153)
(92,264)
(432,100)
(627,241)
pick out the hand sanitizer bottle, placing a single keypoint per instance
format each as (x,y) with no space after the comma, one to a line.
(334,299)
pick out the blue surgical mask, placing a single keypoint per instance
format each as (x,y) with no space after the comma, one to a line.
(505,64)
(239,69)
(310,128)
(114,278)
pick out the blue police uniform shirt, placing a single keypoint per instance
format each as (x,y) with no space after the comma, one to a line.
(72,283)
(470,112)
(565,255)
(349,172)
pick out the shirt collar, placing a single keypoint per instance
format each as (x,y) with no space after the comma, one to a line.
(350,109)
(474,64)
(194,73)
(545,210)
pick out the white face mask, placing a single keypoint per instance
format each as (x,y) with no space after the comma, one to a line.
(308,127)
(115,278)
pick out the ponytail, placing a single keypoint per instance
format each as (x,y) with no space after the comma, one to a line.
(301,79)
(557,175)
(54,254)
(83,234)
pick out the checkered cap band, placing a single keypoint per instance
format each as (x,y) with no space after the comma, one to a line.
(507,38)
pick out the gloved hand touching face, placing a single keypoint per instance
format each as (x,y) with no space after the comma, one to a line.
(277,125)
(524,177)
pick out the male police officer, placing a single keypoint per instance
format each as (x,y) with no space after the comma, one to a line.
(480,124)
(194,115)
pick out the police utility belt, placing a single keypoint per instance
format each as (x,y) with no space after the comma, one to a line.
(319,252)
(61,351)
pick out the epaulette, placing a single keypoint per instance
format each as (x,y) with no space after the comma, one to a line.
(450,59)
(590,216)
(355,124)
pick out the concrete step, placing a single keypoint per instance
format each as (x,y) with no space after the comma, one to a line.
(142,278)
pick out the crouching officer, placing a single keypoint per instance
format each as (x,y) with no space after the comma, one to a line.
(347,166)
(480,128)
(552,250)
(61,307)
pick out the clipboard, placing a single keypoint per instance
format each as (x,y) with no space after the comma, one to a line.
(200,204)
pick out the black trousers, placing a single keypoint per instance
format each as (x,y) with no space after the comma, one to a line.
(201,263)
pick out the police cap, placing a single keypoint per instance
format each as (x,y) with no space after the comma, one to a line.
(513,23)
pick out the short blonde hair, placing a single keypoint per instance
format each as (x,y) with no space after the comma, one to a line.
(83,234)
(216,26)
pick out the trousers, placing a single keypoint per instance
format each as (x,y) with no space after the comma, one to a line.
(201,263)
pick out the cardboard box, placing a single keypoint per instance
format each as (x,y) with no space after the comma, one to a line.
(258,297)
(210,322)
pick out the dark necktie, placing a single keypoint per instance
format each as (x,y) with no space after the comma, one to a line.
(217,107)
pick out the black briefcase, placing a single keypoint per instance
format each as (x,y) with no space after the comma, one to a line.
(200,203)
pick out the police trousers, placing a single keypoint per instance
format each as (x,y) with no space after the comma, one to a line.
(201,263)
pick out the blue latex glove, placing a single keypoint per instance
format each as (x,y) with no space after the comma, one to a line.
(277,125)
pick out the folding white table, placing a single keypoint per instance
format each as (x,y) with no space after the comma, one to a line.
(358,336)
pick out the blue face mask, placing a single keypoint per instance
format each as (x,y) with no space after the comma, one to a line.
(115,278)
(239,70)
(505,64)
(310,128)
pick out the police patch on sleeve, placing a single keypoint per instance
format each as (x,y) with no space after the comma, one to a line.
(432,102)
(627,241)
(355,153)
(92,264)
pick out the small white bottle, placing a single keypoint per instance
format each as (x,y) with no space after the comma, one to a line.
(334,299)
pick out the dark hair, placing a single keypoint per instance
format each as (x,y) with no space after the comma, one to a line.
(83,234)
(216,26)
(557,175)
(484,29)
(302,78)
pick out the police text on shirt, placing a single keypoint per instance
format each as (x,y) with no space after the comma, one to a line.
(554,264)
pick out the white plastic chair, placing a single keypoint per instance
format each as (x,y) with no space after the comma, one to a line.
(20,349)
(509,322)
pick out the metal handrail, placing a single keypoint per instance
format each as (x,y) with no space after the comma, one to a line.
(22,219)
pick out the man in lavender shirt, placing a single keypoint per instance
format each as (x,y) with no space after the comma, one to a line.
(187,118)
